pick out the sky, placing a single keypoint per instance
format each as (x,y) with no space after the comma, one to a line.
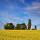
(19,11)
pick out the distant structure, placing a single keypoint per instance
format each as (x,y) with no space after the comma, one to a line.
(29,24)
(35,27)
(23,26)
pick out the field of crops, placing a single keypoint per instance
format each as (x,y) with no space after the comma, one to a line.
(19,34)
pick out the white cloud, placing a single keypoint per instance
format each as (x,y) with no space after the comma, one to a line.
(34,9)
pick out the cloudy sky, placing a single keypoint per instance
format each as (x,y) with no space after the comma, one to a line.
(19,11)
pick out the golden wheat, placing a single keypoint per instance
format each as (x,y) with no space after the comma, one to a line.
(19,34)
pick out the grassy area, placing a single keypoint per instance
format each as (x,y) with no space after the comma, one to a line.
(19,34)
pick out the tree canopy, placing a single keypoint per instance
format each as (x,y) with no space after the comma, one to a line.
(9,26)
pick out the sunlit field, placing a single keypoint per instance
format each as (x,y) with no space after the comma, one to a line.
(19,34)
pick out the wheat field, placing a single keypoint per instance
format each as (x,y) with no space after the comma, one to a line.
(19,34)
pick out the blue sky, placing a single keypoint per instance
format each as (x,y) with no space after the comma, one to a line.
(19,11)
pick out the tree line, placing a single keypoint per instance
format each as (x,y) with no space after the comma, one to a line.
(22,26)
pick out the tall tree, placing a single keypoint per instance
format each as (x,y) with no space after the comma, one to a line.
(9,26)
(29,24)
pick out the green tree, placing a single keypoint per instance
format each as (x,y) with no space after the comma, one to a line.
(21,26)
(18,27)
(9,26)
(29,24)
